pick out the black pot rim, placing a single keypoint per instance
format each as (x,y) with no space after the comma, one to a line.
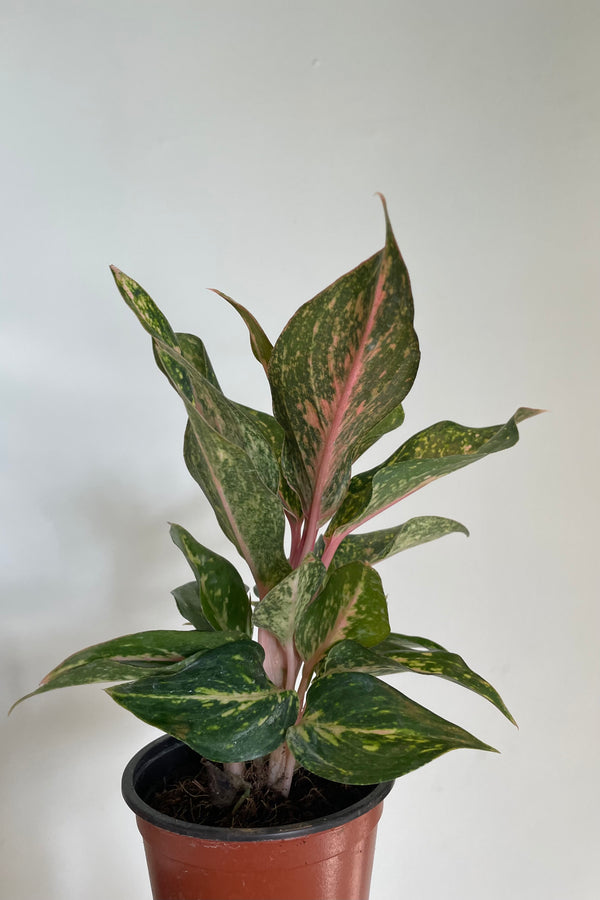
(153,754)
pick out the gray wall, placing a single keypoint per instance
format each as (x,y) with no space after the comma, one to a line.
(238,145)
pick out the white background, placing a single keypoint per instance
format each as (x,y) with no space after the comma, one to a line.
(239,145)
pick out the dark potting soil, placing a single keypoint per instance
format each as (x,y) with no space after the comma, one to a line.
(207,796)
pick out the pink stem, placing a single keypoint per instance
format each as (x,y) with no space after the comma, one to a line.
(275,657)
(288,773)
(330,548)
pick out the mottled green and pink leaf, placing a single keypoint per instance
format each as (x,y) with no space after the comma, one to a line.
(340,368)
(351,605)
(436,451)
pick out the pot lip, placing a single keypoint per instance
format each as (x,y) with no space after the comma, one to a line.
(165,745)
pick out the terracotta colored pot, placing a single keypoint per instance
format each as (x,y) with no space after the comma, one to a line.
(324,859)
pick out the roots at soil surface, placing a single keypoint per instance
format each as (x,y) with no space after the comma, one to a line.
(210,796)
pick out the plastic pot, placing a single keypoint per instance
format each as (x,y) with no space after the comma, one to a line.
(325,859)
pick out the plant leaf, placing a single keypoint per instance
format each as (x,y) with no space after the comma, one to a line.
(193,349)
(248,512)
(393,420)
(221,704)
(146,310)
(223,416)
(374,546)
(273,432)
(342,364)
(187,597)
(280,608)
(147,652)
(436,451)
(393,656)
(222,595)
(352,605)
(224,451)
(188,368)
(260,343)
(359,730)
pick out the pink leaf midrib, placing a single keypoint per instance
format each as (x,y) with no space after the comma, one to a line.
(325,456)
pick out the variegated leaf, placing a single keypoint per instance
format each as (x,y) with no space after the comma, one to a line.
(228,456)
(144,653)
(393,655)
(189,370)
(260,343)
(284,603)
(352,605)
(428,455)
(221,704)
(248,512)
(187,598)
(393,420)
(374,546)
(273,433)
(146,310)
(193,349)
(340,367)
(223,416)
(222,595)
(359,730)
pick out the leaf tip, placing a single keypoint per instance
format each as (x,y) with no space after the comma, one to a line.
(117,274)
(525,412)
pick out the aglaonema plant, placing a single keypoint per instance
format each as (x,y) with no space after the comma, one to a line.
(307,689)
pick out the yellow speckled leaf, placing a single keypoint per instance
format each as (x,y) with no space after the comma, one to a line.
(220,703)
(358,730)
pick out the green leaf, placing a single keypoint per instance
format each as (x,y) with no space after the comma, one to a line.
(224,417)
(187,366)
(273,433)
(221,704)
(351,605)
(399,653)
(393,420)
(280,608)
(358,730)
(248,512)
(147,652)
(260,343)
(225,452)
(421,655)
(223,598)
(194,351)
(146,310)
(436,451)
(374,546)
(187,597)
(339,369)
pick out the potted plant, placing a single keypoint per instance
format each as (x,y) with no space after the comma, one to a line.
(262,727)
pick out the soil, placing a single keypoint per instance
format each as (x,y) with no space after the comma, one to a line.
(209,796)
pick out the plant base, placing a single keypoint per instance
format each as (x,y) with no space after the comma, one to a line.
(325,859)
